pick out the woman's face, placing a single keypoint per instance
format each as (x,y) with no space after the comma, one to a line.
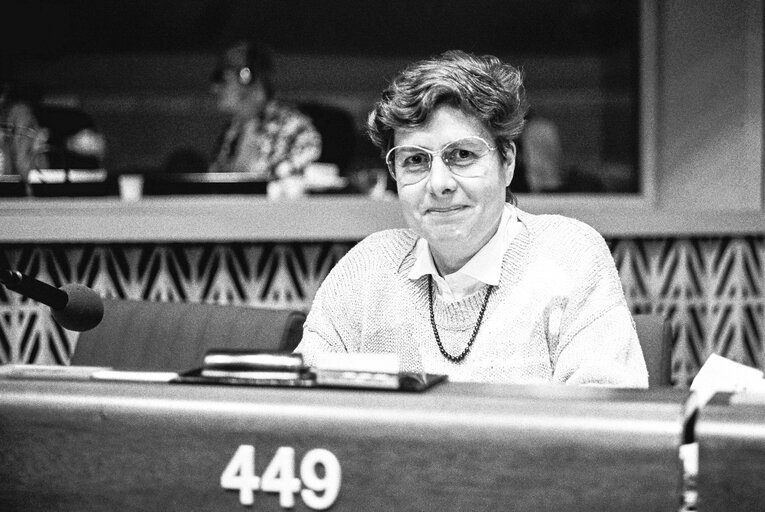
(456,215)
(237,99)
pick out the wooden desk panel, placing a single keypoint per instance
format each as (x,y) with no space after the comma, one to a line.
(731,439)
(94,445)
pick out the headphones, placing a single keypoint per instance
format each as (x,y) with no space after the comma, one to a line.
(248,61)
(243,74)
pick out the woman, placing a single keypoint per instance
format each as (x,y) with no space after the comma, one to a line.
(476,288)
(265,138)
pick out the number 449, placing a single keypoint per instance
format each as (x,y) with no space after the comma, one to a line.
(279,477)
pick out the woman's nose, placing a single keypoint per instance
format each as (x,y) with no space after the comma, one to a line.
(441,179)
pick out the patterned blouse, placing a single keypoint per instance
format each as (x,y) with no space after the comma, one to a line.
(280,141)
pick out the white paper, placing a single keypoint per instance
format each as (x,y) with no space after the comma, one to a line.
(357,362)
(134,376)
(719,374)
(41,371)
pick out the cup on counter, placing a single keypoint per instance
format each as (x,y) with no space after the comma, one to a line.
(371,182)
(290,187)
(131,187)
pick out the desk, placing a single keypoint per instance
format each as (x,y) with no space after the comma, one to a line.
(135,446)
(731,437)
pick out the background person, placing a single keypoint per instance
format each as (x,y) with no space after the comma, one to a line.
(22,139)
(48,136)
(539,162)
(542,153)
(264,137)
(476,288)
(74,140)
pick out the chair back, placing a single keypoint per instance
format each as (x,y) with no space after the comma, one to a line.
(338,132)
(655,335)
(174,336)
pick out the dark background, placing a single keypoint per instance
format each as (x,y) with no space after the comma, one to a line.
(140,68)
(395,27)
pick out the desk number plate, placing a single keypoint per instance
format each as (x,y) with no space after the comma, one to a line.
(317,492)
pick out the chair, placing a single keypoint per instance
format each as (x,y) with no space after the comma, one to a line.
(174,336)
(655,335)
(338,132)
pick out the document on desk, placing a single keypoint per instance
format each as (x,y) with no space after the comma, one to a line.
(721,375)
(250,367)
(257,368)
(369,371)
(49,372)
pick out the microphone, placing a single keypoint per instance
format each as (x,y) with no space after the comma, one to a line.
(74,306)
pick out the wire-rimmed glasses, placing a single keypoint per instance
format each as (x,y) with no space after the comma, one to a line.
(409,164)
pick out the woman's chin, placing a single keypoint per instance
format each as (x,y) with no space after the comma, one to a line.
(445,235)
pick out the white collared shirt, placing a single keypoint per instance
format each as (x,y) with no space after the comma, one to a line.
(483,268)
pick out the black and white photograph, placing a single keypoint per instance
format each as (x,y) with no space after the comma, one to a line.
(435,255)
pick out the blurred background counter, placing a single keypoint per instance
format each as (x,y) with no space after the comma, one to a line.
(320,218)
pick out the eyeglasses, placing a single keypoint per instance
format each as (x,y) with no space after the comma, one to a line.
(411,164)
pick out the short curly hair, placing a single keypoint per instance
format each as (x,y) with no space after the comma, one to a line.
(482,86)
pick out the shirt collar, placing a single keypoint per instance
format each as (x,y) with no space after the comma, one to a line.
(485,265)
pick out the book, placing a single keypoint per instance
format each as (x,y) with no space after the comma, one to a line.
(248,360)
(253,366)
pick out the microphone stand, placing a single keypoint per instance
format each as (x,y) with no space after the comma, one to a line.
(32,288)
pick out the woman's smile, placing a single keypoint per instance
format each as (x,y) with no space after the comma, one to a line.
(446,210)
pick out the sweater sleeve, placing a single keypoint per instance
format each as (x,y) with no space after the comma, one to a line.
(334,323)
(351,295)
(597,342)
(325,330)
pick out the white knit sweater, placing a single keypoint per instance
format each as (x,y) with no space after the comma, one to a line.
(558,315)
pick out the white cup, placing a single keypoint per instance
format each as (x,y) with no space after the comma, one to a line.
(291,187)
(131,187)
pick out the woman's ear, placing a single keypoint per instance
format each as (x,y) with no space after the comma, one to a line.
(508,167)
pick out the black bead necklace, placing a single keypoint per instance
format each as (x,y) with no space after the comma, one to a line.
(447,355)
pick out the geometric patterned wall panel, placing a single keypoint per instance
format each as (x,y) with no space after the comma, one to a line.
(263,274)
(713,289)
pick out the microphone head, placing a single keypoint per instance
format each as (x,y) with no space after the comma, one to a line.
(83,311)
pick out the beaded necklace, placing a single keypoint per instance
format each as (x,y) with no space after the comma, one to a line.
(447,355)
